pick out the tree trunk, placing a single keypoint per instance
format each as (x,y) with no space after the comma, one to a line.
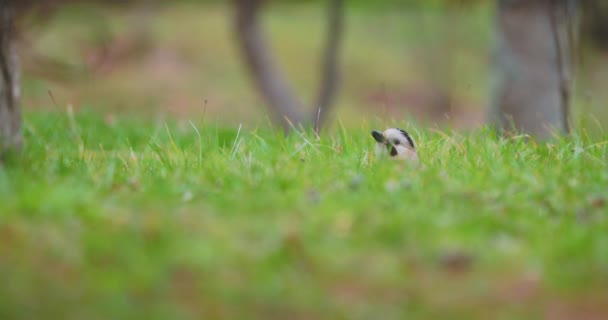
(533,66)
(280,98)
(10,113)
(330,66)
(278,95)
(595,23)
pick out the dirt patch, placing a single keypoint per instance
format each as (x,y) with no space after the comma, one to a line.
(428,104)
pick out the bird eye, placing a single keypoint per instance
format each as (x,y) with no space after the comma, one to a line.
(396,142)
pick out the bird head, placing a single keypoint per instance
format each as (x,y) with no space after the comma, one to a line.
(396,143)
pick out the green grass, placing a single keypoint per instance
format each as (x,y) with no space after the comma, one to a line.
(133,218)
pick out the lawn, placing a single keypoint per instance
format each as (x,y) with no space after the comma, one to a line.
(124,218)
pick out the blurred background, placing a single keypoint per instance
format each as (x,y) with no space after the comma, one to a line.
(427,62)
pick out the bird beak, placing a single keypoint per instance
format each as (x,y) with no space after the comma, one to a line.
(378,136)
(392,151)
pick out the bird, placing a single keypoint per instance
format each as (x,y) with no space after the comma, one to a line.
(396,143)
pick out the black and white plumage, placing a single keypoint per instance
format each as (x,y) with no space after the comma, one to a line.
(395,143)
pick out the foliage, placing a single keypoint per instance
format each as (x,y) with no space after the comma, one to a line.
(126,218)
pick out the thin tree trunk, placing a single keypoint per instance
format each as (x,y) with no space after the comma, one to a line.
(533,66)
(595,23)
(279,97)
(10,113)
(330,67)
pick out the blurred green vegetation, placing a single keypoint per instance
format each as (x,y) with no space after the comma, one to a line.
(129,218)
(406,64)
(418,61)
(151,185)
